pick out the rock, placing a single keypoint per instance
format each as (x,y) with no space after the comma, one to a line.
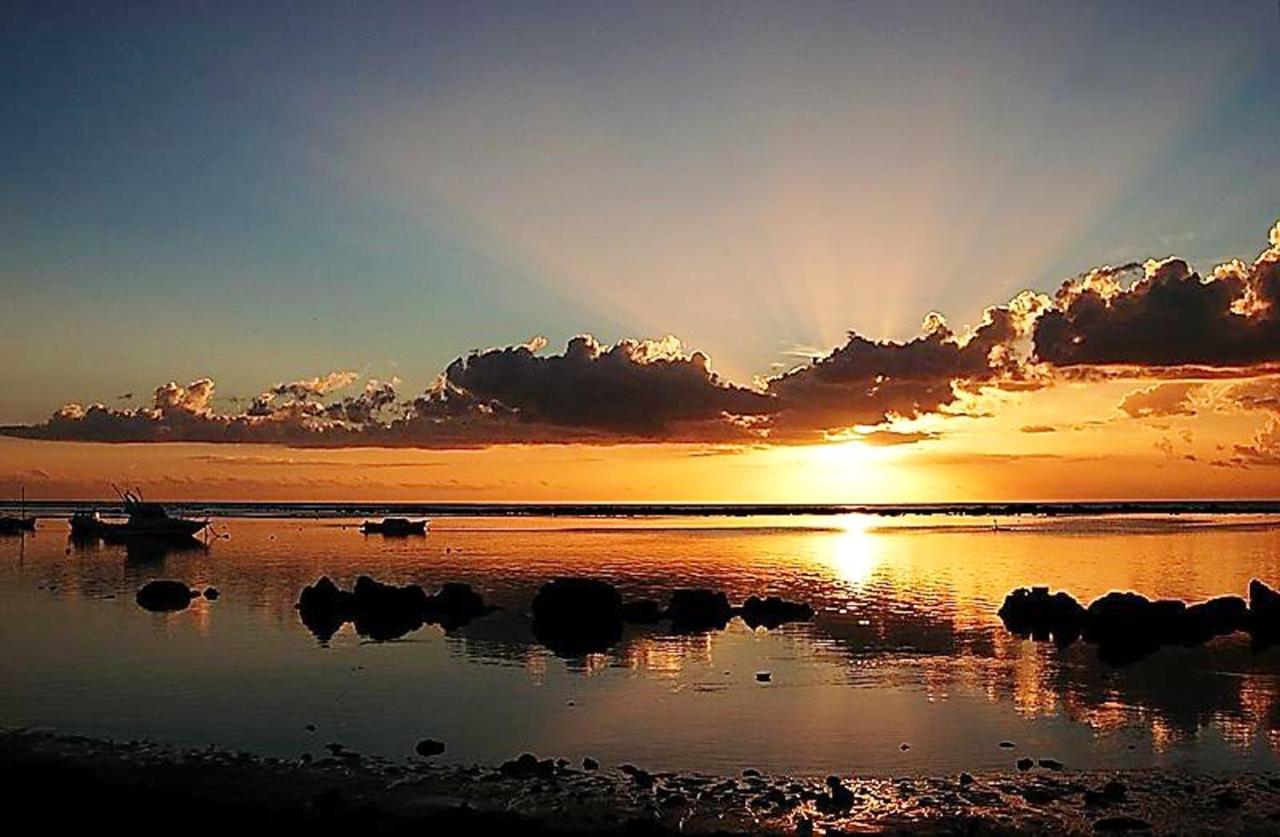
(642,611)
(1216,617)
(904,746)
(1264,610)
(455,604)
(211,593)
(1051,764)
(1227,799)
(527,766)
(1025,764)
(384,611)
(763,676)
(1120,823)
(773,611)
(838,799)
(1042,616)
(1008,745)
(429,747)
(1128,627)
(699,610)
(163,595)
(575,616)
(590,764)
(965,780)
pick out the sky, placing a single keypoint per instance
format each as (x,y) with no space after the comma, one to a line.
(345,250)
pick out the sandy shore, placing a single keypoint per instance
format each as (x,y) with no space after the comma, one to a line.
(69,781)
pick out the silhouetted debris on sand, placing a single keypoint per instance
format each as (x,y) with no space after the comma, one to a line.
(574,616)
(164,595)
(1127,626)
(383,611)
(210,791)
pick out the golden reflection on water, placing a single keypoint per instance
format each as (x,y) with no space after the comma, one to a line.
(906,635)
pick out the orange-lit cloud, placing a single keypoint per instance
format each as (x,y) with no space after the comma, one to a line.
(1199,346)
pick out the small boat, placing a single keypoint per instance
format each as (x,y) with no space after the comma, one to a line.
(11,525)
(396,526)
(144,520)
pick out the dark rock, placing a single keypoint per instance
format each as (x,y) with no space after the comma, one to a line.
(838,800)
(429,747)
(211,593)
(163,595)
(1120,823)
(773,611)
(527,766)
(1051,764)
(763,677)
(384,611)
(642,611)
(965,780)
(1037,614)
(575,616)
(1127,627)
(590,764)
(699,610)
(1264,612)
(1216,617)
(1227,799)
(1025,764)
(454,605)
(1008,745)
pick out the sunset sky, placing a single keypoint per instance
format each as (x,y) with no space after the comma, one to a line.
(739,251)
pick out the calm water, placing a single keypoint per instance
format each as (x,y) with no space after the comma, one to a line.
(906,647)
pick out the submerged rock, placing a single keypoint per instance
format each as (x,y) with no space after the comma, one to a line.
(773,611)
(699,610)
(1041,616)
(642,611)
(429,747)
(163,595)
(1264,611)
(574,616)
(384,611)
(1127,626)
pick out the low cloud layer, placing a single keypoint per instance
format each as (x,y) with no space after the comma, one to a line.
(1153,319)
(1168,316)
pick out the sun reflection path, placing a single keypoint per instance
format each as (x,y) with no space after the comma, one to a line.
(855,550)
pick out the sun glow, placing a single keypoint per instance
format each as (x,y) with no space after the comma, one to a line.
(854,550)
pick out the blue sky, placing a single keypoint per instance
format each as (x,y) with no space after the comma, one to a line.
(260,195)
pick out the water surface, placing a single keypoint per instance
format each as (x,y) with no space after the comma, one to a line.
(905,649)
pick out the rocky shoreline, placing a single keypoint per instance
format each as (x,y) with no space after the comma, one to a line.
(71,781)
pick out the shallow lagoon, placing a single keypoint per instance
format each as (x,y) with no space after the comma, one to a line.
(906,647)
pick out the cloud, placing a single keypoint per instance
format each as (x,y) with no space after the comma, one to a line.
(1212,344)
(869,382)
(1163,399)
(1168,316)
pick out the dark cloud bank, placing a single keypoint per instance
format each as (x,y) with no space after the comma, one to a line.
(1157,317)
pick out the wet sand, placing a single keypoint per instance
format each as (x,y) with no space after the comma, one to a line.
(70,781)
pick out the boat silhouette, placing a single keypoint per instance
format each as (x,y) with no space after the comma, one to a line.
(397,526)
(143,520)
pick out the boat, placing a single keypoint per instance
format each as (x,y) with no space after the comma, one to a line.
(11,525)
(143,520)
(396,526)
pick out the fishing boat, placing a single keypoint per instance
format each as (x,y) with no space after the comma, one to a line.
(11,525)
(143,520)
(397,526)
